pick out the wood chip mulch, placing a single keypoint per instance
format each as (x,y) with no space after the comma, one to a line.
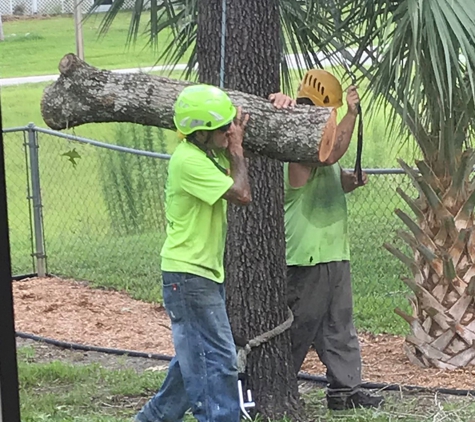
(71,311)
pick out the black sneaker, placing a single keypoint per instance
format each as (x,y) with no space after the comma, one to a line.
(355,400)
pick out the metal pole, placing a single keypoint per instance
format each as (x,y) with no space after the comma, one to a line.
(2,37)
(34,7)
(223,44)
(78,25)
(37,205)
(9,396)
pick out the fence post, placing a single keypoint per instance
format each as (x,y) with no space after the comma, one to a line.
(37,205)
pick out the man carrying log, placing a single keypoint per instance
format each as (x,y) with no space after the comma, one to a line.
(318,267)
(206,170)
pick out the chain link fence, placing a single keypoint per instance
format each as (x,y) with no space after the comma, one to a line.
(54,7)
(91,211)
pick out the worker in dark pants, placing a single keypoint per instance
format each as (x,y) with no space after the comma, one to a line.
(318,253)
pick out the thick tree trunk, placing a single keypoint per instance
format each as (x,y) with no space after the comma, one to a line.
(255,256)
(84,94)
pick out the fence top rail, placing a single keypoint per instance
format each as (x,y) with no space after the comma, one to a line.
(101,144)
(15,129)
(74,138)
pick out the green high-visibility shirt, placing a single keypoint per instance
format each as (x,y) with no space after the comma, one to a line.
(196,213)
(316,223)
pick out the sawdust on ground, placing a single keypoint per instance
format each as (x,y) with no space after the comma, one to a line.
(71,311)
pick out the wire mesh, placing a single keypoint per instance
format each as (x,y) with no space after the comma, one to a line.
(19,211)
(104,214)
(53,7)
(104,221)
(376,274)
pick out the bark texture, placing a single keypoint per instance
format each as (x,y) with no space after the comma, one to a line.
(441,236)
(84,94)
(255,256)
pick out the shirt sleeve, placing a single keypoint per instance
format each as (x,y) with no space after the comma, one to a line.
(201,178)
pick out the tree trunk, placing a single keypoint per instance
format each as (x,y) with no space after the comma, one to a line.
(442,237)
(84,94)
(255,255)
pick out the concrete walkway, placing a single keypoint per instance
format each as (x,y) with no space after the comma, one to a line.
(292,58)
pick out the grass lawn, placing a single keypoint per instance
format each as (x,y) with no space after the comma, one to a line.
(35,47)
(65,392)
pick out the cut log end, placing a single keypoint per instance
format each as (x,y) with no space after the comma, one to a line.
(328,137)
(69,63)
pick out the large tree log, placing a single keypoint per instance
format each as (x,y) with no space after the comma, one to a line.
(84,94)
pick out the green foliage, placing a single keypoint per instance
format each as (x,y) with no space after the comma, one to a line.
(72,156)
(134,186)
(425,61)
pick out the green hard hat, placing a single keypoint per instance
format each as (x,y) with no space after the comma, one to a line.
(202,107)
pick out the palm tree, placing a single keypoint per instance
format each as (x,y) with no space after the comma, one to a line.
(424,65)
(423,57)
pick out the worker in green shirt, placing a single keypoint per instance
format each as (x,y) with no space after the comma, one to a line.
(206,170)
(318,250)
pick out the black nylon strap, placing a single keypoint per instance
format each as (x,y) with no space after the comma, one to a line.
(359,148)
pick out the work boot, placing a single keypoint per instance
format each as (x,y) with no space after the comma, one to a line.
(344,399)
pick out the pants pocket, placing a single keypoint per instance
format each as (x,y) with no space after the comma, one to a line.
(173,301)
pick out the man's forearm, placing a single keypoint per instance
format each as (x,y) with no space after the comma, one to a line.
(240,191)
(344,133)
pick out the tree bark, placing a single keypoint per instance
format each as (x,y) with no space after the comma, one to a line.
(84,94)
(255,253)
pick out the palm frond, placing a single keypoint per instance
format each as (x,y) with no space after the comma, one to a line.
(426,61)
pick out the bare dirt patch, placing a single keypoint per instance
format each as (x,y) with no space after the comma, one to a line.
(71,311)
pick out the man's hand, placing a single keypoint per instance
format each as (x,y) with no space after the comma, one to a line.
(281,100)
(353,100)
(349,181)
(235,133)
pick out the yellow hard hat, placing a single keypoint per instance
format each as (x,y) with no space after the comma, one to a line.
(322,88)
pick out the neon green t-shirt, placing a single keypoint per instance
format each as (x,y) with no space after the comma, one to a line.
(316,226)
(196,213)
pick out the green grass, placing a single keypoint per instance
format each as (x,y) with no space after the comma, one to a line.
(60,392)
(35,47)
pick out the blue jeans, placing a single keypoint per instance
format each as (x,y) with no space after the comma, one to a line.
(203,375)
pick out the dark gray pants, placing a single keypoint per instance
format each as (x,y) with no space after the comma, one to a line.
(321,300)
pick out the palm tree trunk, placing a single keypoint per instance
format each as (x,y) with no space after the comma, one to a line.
(441,236)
